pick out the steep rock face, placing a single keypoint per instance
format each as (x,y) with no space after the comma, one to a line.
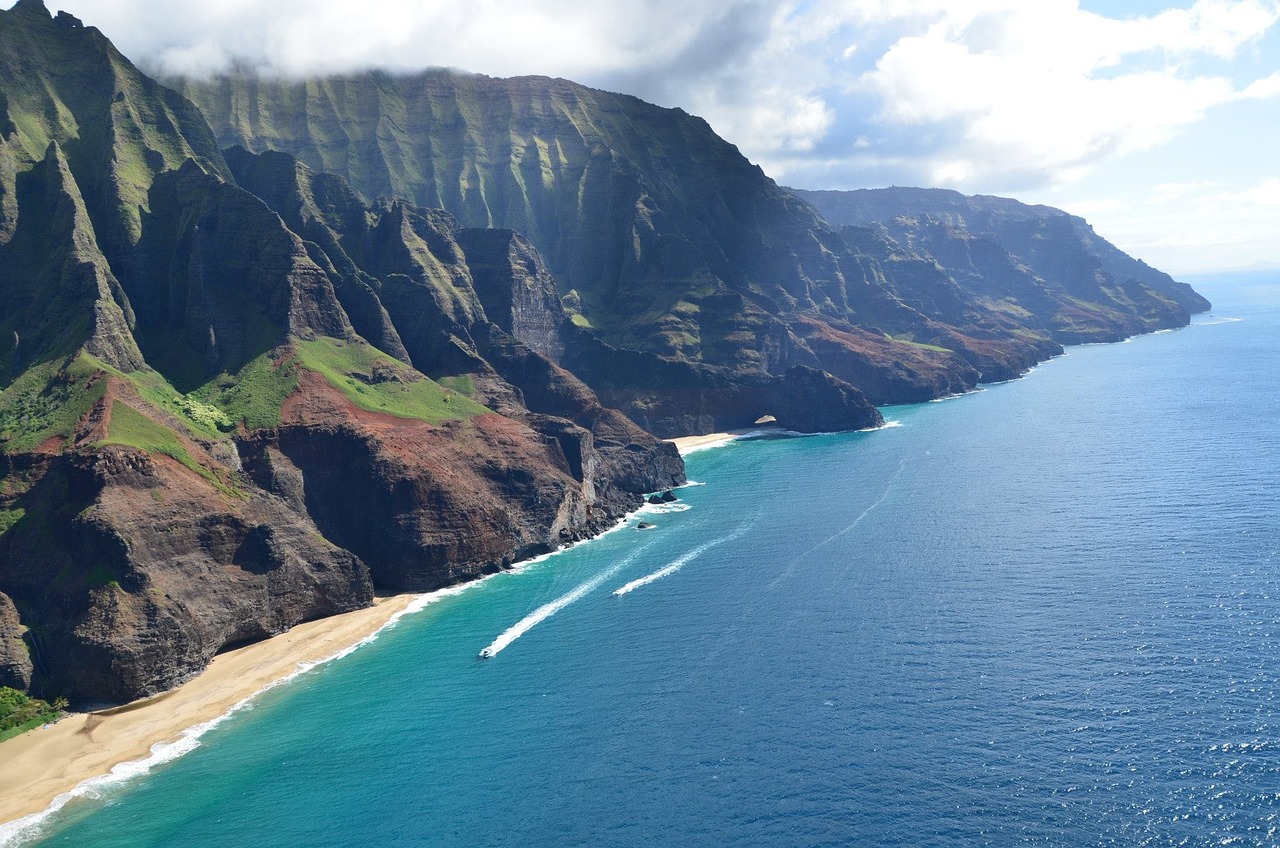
(50,268)
(627,455)
(517,291)
(428,506)
(211,422)
(670,397)
(910,374)
(15,657)
(132,570)
(664,237)
(637,208)
(461,302)
(219,280)
(1062,250)
(64,82)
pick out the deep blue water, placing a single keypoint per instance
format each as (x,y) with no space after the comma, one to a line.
(1047,613)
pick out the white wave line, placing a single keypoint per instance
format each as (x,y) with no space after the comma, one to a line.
(887,489)
(672,568)
(547,610)
(680,562)
(17,831)
(28,827)
(790,567)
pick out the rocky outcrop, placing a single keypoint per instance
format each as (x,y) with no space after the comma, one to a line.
(15,657)
(673,398)
(132,571)
(516,289)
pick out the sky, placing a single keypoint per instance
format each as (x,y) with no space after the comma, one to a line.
(1156,120)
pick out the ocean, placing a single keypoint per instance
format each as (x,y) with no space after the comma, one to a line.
(1043,613)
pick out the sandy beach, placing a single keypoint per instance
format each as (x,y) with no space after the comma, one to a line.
(46,762)
(688,444)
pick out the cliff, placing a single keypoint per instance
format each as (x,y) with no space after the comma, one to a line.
(666,244)
(223,412)
(1075,285)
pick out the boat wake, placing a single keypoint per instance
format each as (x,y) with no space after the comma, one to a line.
(680,562)
(547,610)
(887,489)
(790,568)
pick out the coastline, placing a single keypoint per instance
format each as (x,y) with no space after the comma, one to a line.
(46,766)
(49,766)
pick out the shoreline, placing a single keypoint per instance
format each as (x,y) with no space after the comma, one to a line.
(689,444)
(49,766)
(52,765)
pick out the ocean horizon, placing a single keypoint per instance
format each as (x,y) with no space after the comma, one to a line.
(1044,612)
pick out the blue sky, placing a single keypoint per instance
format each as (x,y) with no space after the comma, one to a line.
(1157,121)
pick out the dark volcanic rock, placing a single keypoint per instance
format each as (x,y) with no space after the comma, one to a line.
(673,398)
(156,308)
(132,571)
(15,659)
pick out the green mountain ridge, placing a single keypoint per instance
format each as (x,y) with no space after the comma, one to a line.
(196,445)
(1083,287)
(665,238)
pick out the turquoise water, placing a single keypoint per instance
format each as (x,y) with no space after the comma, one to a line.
(1047,613)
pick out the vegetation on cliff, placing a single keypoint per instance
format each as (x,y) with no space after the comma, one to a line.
(20,713)
(218,419)
(663,239)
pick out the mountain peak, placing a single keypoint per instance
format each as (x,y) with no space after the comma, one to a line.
(31,8)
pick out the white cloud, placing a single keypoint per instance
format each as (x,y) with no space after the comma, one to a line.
(1037,92)
(1190,227)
